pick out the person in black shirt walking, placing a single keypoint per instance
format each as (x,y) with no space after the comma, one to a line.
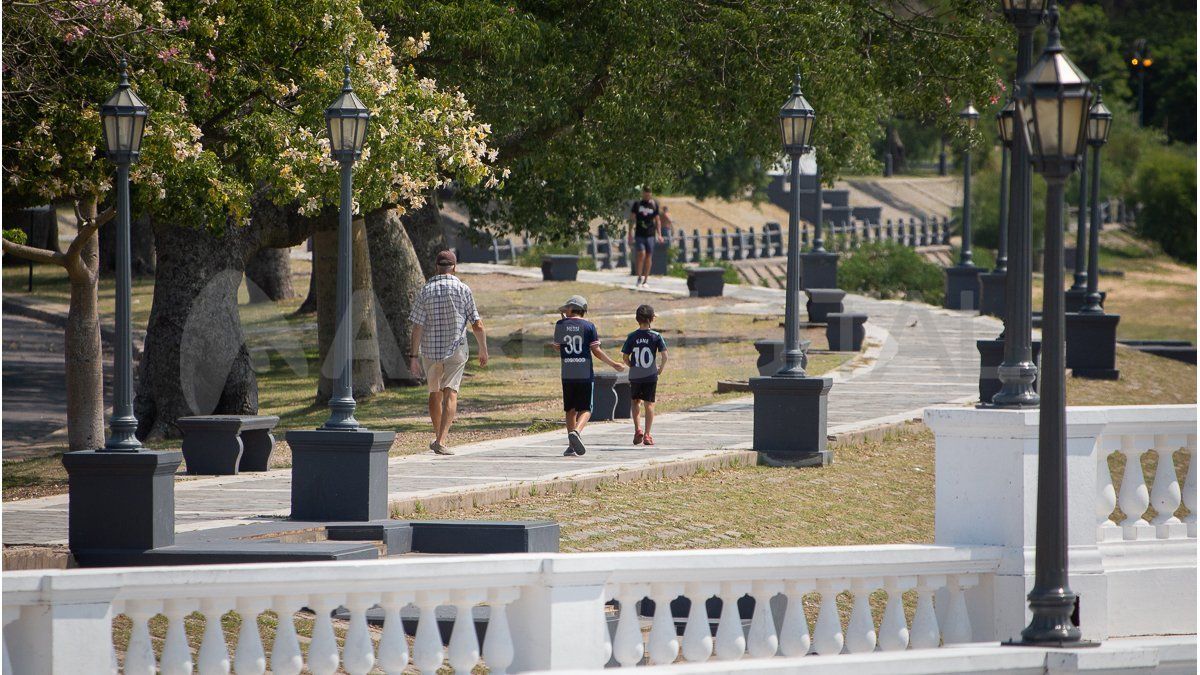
(645,232)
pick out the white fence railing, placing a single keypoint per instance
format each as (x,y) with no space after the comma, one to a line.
(543,611)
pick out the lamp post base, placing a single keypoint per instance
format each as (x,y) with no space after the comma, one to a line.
(818,269)
(790,420)
(120,501)
(1074,299)
(991,297)
(991,355)
(962,287)
(1092,345)
(339,475)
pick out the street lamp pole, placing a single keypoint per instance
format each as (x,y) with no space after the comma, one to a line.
(1053,109)
(1099,123)
(347,120)
(1004,122)
(1017,372)
(796,120)
(124,121)
(970,117)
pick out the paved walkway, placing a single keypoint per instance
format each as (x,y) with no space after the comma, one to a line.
(920,356)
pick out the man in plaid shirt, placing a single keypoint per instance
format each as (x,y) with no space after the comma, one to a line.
(440,315)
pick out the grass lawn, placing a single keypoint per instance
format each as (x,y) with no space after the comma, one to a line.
(517,393)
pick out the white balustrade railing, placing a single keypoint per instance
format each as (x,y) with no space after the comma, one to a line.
(543,611)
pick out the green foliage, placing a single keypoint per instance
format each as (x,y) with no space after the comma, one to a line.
(677,269)
(890,270)
(16,235)
(587,105)
(1165,188)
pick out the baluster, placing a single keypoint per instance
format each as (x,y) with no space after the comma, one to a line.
(358,654)
(139,656)
(664,641)
(214,655)
(890,232)
(893,631)
(323,650)
(753,248)
(1166,496)
(827,636)
(712,245)
(924,231)
(286,658)
(696,253)
(1106,497)
(498,651)
(1134,498)
(697,636)
(860,632)
(1189,487)
(925,632)
(958,622)
(393,645)
(464,642)
(628,649)
(427,644)
(177,655)
(11,614)
(794,639)
(249,657)
(803,237)
(731,641)
(762,642)
(725,244)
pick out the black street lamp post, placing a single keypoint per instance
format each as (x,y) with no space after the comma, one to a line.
(962,280)
(1091,333)
(1052,108)
(790,407)
(122,496)
(339,471)
(346,119)
(123,118)
(1017,371)
(991,284)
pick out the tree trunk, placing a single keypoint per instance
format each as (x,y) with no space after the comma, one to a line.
(397,278)
(83,353)
(195,360)
(424,229)
(309,306)
(269,275)
(141,247)
(368,378)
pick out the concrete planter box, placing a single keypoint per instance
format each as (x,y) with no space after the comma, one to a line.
(339,475)
(560,267)
(845,332)
(822,302)
(1092,345)
(706,282)
(790,420)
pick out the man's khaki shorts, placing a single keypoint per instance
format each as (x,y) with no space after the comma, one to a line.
(448,372)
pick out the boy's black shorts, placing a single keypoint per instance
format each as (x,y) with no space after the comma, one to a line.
(577,395)
(643,391)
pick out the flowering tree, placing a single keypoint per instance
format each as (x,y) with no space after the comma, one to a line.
(235,156)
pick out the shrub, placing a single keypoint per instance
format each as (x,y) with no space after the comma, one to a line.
(532,256)
(889,270)
(677,269)
(1165,189)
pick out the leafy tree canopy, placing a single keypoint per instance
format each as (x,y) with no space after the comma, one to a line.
(589,100)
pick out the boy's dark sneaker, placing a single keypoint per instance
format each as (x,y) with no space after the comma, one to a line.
(569,452)
(576,443)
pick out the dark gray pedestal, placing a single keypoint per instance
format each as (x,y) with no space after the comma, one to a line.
(771,356)
(226,444)
(991,293)
(845,332)
(1092,345)
(962,287)
(706,282)
(790,420)
(822,302)
(604,397)
(339,475)
(658,261)
(485,536)
(121,501)
(396,535)
(560,267)
(818,270)
(991,355)
(1074,300)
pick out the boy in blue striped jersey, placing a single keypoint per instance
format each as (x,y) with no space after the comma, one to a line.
(645,352)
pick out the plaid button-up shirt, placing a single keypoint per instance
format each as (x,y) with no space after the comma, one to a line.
(443,309)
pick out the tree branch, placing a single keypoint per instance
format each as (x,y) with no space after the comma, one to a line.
(34,253)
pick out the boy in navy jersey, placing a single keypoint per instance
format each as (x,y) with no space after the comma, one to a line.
(645,352)
(576,340)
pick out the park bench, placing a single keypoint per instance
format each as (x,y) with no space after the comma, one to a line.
(560,267)
(706,282)
(771,356)
(604,397)
(822,302)
(223,445)
(845,331)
